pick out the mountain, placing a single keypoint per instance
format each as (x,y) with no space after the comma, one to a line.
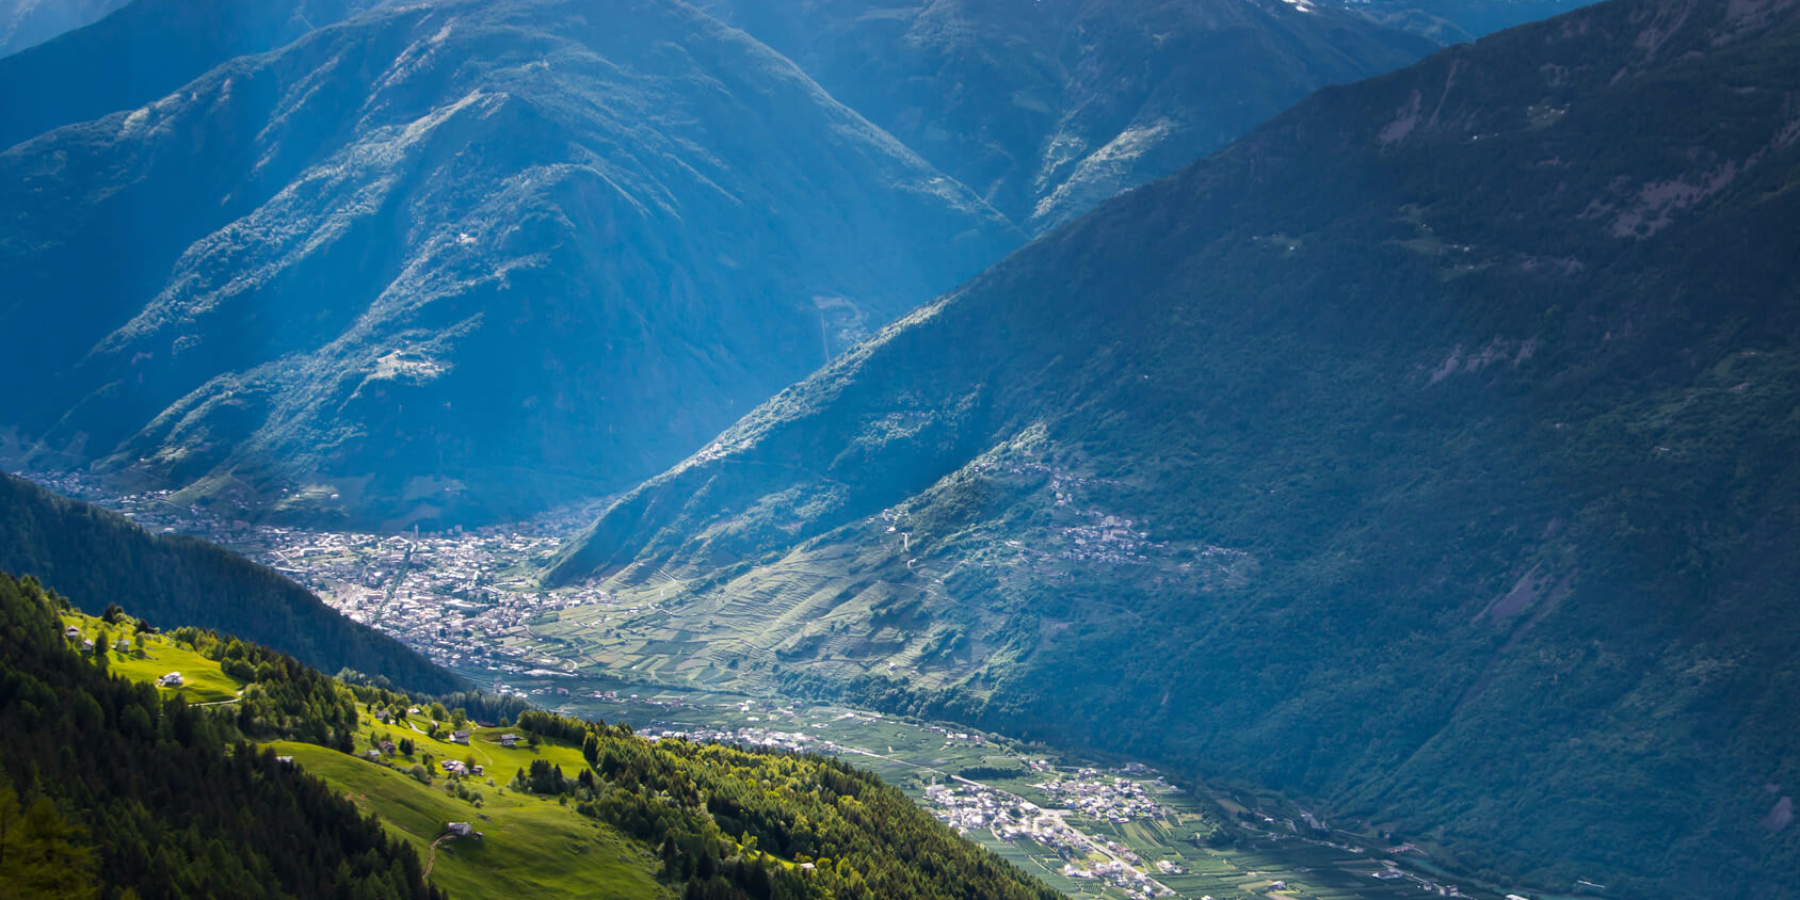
(24,23)
(1046,108)
(110,787)
(140,54)
(1427,455)
(114,782)
(1456,21)
(100,557)
(359,278)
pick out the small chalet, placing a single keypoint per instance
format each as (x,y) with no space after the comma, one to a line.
(509,740)
(388,748)
(460,737)
(71,632)
(173,679)
(463,829)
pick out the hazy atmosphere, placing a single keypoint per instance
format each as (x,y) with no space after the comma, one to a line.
(853,450)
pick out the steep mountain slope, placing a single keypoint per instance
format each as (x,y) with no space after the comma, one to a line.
(1046,108)
(110,787)
(1456,21)
(141,53)
(369,274)
(99,557)
(136,788)
(24,23)
(1429,454)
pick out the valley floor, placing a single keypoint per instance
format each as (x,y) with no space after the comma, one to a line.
(1090,829)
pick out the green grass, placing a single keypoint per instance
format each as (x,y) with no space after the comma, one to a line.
(202,680)
(530,846)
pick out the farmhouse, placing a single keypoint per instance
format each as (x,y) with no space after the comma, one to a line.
(173,679)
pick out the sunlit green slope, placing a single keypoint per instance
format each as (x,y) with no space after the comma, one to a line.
(569,809)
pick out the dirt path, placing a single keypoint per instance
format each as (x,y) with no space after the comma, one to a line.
(431,855)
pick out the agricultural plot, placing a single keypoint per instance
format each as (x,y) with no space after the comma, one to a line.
(1131,816)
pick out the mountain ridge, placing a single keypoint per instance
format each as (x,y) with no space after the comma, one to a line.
(328,332)
(179,579)
(1045,109)
(1403,430)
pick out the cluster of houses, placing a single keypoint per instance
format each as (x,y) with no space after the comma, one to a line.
(971,807)
(1116,800)
(768,739)
(458,767)
(958,737)
(435,592)
(1128,879)
(967,806)
(87,644)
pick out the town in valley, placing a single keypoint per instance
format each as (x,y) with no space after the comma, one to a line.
(468,600)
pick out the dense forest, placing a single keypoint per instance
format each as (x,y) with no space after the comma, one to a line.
(97,557)
(109,791)
(702,805)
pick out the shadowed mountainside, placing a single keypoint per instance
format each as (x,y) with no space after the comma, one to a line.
(361,278)
(1428,454)
(1047,108)
(98,557)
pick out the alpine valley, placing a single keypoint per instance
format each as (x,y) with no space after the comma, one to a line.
(453,262)
(853,450)
(1428,453)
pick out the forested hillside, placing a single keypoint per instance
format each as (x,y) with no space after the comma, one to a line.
(107,790)
(99,557)
(1428,455)
(291,784)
